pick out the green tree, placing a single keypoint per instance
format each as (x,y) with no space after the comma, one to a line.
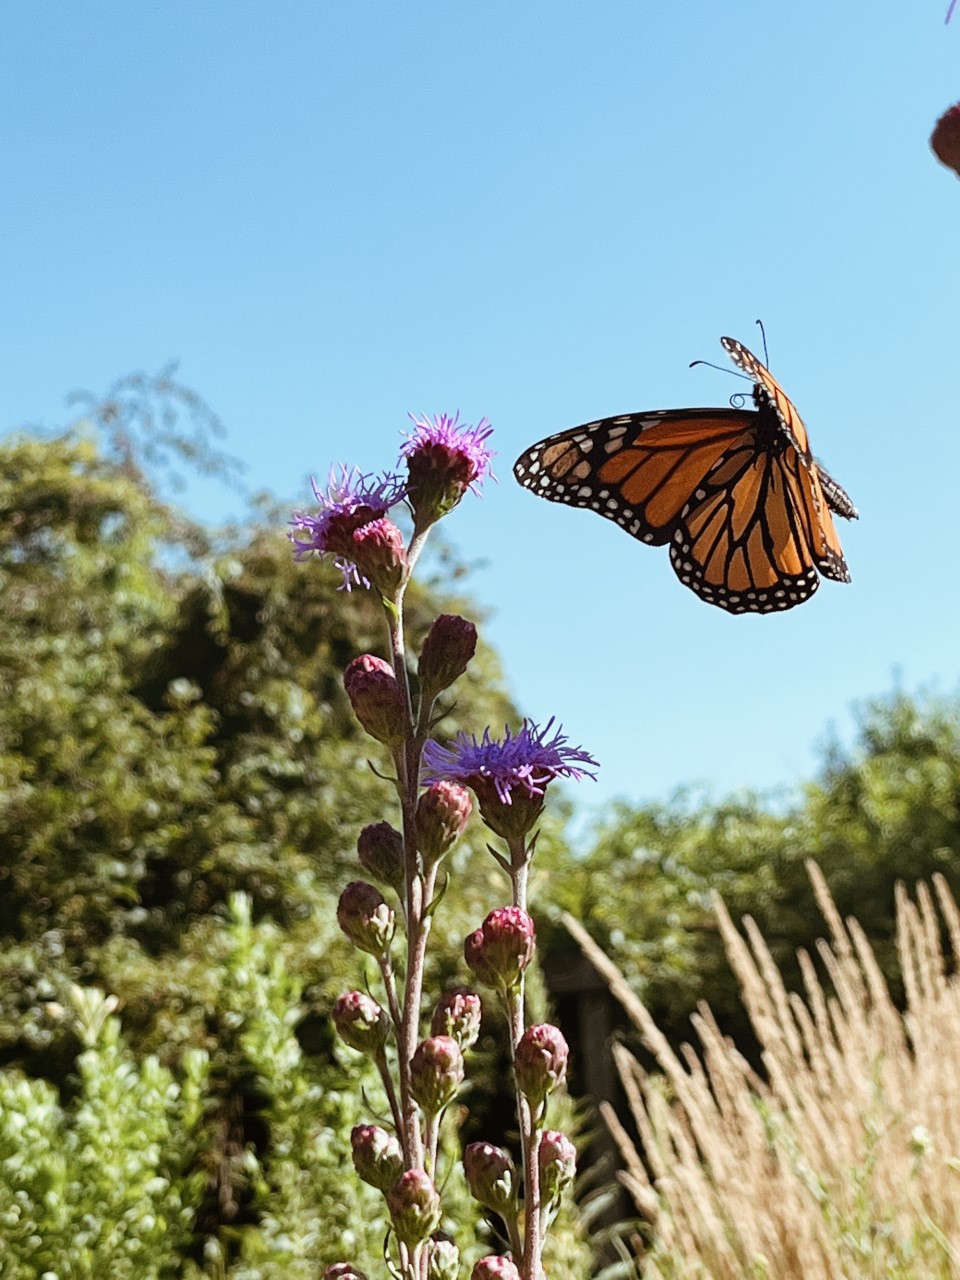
(887,809)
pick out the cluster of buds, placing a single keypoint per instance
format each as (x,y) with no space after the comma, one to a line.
(437,786)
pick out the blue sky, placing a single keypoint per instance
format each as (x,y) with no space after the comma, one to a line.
(333,213)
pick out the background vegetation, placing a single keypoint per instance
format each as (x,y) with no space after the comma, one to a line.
(181,786)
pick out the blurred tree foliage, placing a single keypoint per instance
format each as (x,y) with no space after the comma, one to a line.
(888,809)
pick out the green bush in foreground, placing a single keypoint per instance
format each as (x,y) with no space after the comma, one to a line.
(100,1186)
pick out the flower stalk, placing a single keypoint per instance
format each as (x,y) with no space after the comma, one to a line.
(507,777)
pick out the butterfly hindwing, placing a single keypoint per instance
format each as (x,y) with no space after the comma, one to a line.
(742,543)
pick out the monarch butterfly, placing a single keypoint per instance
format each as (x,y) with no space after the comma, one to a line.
(735,492)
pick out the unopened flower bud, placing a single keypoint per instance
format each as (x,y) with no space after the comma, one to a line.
(458,1014)
(365,918)
(376,698)
(495,1268)
(343,1271)
(377,1157)
(540,1062)
(503,946)
(360,1022)
(380,850)
(444,1259)
(436,1072)
(379,554)
(492,1178)
(450,644)
(414,1207)
(557,1157)
(945,139)
(442,813)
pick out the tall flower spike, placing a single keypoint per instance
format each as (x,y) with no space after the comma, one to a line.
(444,459)
(351,501)
(508,776)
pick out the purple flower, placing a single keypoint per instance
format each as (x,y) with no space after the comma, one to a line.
(524,761)
(444,459)
(508,777)
(351,501)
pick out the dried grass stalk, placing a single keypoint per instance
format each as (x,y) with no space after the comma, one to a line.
(844,1160)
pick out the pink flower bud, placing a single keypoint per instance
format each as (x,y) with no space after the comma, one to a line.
(945,139)
(377,1157)
(511,819)
(492,1178)
(361,1023)
(365,918)
(444,1259)
(376,698)
(442,813)
(414,1207)
(450,644)
(380,850)
(458,1014)
(379,554)
(495,1268)
(540,1062)
(557,1157)
(343,1271)
(503,946)
(436,1072)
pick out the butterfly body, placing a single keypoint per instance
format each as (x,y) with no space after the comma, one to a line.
(736,493)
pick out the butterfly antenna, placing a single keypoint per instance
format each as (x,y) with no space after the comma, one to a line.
(950,11)
(763,333)
(720,369)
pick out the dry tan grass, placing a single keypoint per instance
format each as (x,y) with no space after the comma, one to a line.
(844,1161)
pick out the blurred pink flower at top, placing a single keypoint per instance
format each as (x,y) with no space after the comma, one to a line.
(945,139)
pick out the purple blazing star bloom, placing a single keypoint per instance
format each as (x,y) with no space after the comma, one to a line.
(444,459)
(461,441)
(352,500)
(525,761)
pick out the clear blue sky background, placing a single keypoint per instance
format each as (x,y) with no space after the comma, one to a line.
(332,213)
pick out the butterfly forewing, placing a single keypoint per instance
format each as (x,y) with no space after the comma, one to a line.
(772,392)
(638,469)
